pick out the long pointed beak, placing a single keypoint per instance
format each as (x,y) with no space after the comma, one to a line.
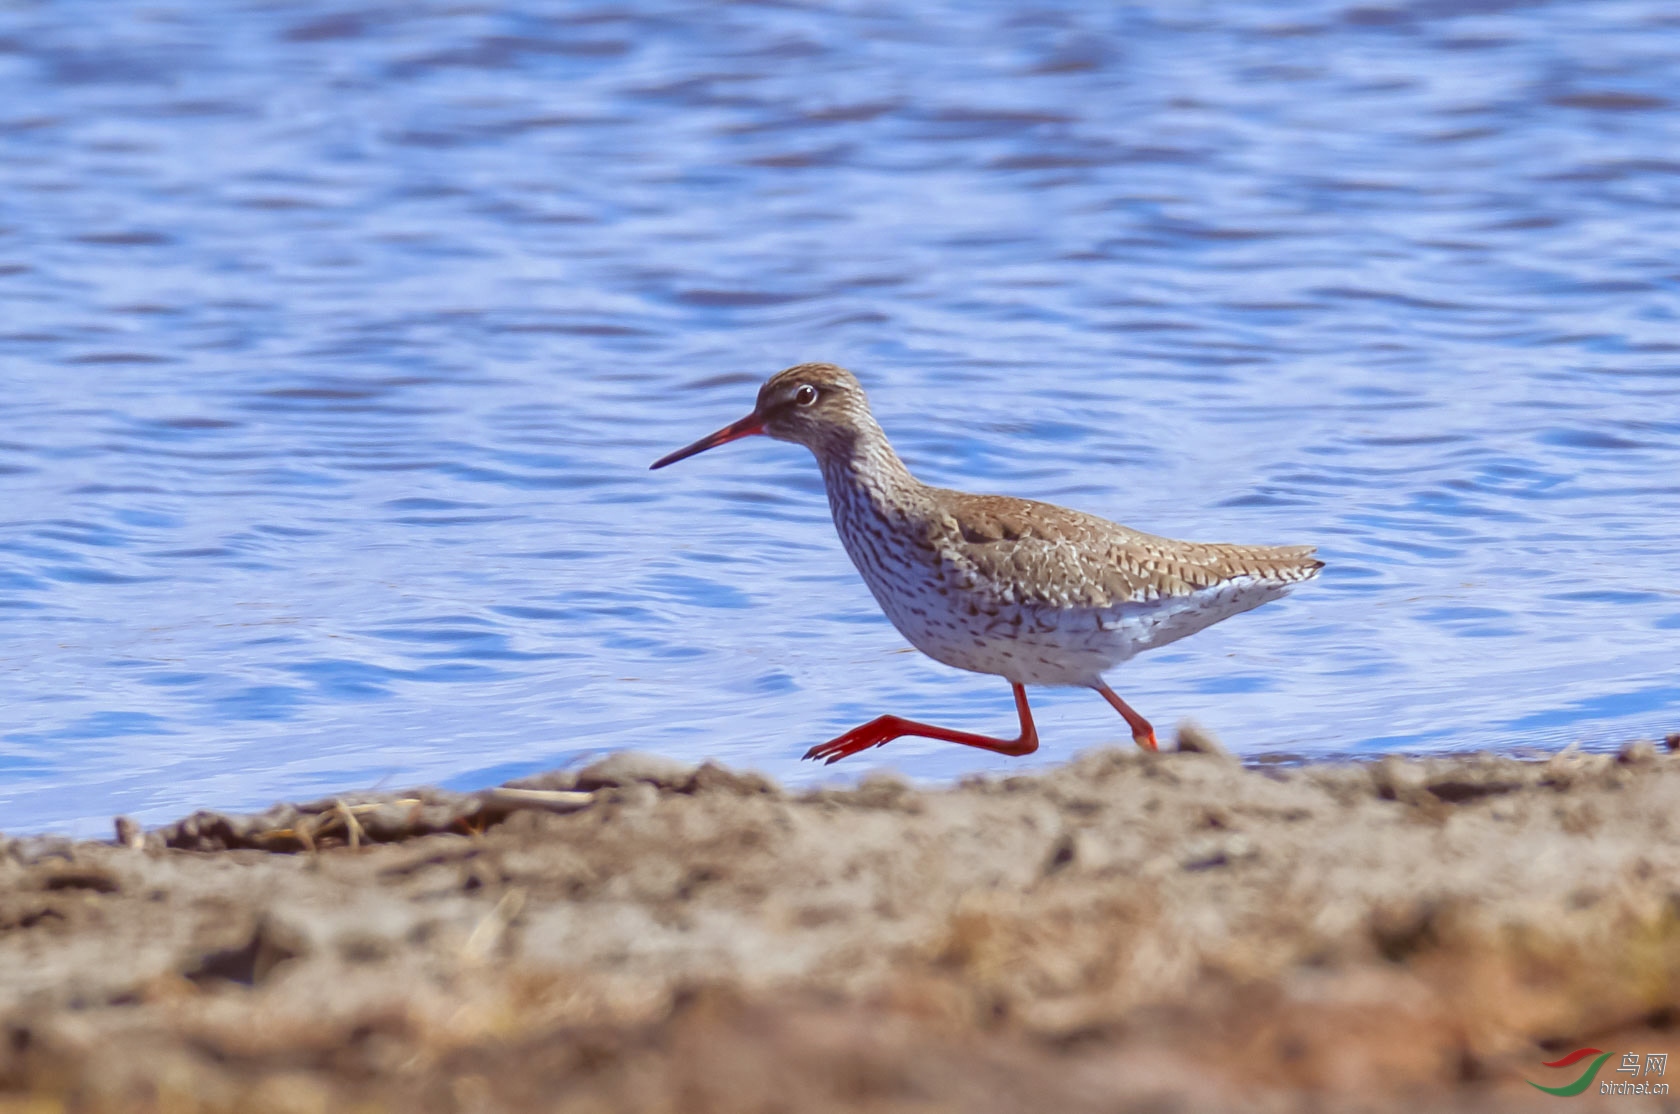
(746,427)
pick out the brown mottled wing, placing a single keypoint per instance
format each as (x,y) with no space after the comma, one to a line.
(1037,552)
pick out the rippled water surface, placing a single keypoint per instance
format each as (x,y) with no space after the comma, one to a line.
(335,343)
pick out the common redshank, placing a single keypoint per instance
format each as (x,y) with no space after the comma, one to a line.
(1034,593)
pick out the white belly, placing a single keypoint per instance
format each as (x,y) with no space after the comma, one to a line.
(1039,645)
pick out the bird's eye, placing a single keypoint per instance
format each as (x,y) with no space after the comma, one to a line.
(805,395)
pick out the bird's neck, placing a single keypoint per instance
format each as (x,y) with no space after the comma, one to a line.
(864,475)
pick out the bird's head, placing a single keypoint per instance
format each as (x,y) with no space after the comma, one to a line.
(820,406)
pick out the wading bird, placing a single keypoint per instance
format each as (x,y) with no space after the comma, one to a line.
(1034,593)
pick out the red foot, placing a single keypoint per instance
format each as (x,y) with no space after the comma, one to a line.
(884,729)
(1142,734)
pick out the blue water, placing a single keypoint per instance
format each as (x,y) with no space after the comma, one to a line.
(336,340)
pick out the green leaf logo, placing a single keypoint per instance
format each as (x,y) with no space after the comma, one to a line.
(1580,1084)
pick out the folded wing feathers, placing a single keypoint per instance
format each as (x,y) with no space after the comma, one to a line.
(1038,552)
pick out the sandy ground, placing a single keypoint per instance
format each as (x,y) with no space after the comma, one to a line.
(1128,932)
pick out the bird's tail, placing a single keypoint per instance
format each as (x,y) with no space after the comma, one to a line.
(1290,563)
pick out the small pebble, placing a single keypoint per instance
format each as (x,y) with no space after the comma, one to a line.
(628,767)
(1193,738)
(1640,752)
(129,833)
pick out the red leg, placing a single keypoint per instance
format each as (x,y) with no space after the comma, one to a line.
(1142,734)
(887,728)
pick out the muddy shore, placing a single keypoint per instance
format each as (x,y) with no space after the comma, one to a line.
(1127,932)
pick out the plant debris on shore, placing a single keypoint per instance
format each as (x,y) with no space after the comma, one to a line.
(1125,932)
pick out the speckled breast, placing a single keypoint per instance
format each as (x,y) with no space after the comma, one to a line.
(972,627)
